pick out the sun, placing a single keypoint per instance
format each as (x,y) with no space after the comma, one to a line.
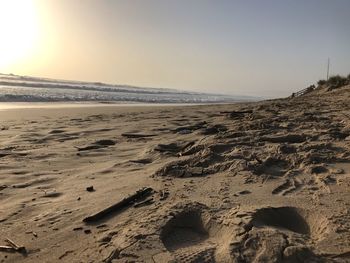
(19,31)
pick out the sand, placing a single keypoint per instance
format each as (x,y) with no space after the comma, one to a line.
(253,182)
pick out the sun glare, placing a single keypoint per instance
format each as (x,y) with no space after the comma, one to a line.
(19,31)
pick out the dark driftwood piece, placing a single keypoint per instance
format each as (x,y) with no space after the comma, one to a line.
(173,147)
(90,147)
(145,202)
(236,112)
(193,127)
(137,135)
(239,114)
(142,193)
(7,249)
(142,161)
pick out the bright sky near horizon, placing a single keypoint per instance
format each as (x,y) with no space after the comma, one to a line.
(257,47)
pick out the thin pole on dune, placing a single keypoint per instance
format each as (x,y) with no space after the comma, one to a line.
(328,62)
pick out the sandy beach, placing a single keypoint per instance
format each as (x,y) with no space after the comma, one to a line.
(252,182)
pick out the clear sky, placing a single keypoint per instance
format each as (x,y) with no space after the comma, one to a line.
(248,47)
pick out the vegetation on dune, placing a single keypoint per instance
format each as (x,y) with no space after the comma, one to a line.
(338,80)
(334,82)
(321,82)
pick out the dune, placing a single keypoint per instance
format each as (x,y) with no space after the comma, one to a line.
(264,181)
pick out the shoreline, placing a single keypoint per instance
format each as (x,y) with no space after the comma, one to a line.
(35,105)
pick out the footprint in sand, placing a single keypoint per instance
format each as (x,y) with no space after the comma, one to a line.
(193,235)
(287,218)
(186,237)
(281,234)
